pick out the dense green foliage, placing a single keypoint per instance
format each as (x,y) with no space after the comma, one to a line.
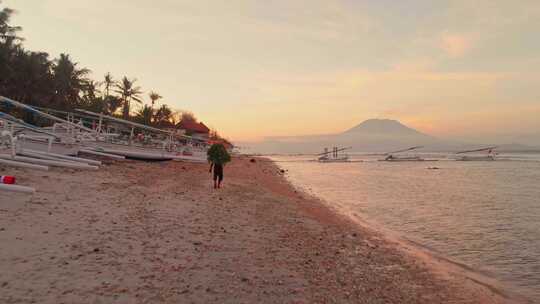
(217,154)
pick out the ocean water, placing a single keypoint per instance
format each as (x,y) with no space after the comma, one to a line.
(482,214)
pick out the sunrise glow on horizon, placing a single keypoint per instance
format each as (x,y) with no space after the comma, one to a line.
(252,69)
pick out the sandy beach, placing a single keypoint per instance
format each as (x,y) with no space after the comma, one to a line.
(136,232)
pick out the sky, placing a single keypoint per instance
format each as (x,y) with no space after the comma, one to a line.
(460,69)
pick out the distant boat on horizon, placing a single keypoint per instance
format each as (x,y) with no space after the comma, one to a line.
(490,156)
(333,156)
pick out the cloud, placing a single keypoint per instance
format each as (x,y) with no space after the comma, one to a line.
(455,45)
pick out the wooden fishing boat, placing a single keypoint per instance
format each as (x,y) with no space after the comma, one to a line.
(156,150)
(393,158)
(490,154)
(130,151)
(396,157)
(70,136)
(333,156)
(46,144)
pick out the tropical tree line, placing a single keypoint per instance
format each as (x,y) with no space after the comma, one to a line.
(34,78)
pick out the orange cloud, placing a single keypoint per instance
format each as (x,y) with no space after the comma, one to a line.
(455,45)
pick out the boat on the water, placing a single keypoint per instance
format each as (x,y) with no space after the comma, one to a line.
(396,157)
(486,154)
(333,156)
(393,158)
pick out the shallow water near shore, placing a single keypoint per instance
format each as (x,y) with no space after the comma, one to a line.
(485,215)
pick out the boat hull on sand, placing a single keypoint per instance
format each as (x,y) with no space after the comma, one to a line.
(43,146)
(135,153)
(476,158)
(146,153)
(403,159)
(334,160)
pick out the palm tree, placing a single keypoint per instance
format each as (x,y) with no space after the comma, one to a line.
(108,82)
(91,89)
(154,97)
(9,50)
(91,99)
(163,116)
(69,82)
(128,91)
(8,32)
(27,77)
(112,102)
(144,115)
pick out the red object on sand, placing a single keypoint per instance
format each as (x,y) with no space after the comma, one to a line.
(5,179)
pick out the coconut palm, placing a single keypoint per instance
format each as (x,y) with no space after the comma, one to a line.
(108,82)
(154,97)
(91,89)
(144,115)
(112,103)
(10,49)
(91,99)
(128,92)
(69,82)
(27,77)
(8,32)
(163,116)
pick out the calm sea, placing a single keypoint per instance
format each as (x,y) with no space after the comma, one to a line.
(483,214)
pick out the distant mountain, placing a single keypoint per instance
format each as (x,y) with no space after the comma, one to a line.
(372,135)
(383,126)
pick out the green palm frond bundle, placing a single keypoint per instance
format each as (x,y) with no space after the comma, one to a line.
(217,154)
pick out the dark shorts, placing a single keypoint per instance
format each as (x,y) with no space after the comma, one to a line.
(218,174)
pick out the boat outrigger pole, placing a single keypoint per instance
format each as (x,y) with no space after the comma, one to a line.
(49,116)
(333,151)
(477,150)
(12,120)
(133,124)
(404,150)
(127,122)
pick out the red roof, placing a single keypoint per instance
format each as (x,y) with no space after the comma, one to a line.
(193,126)
(224,142)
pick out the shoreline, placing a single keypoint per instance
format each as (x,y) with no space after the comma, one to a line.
(437,261)
(157,232)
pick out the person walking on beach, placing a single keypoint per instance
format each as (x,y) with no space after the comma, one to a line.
(218,156)
(218,174)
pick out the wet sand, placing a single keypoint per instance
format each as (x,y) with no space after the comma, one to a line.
(136,232)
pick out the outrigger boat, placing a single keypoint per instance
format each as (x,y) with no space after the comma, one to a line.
(15,151)
(141,146)
(72,136)
(68,137)
(32,137)
(333,156)
(489,156)
(27,137)
(391,156)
